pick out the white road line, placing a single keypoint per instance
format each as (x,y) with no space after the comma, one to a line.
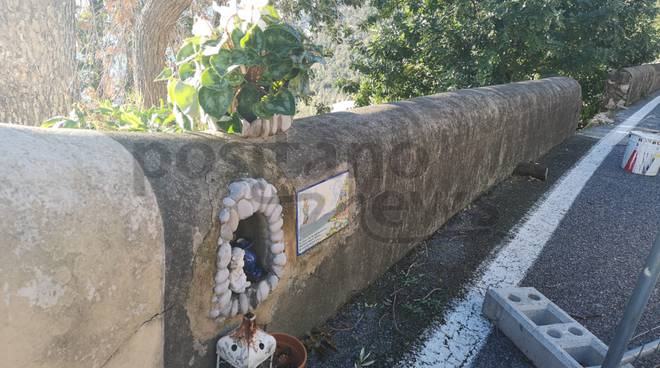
(457,342)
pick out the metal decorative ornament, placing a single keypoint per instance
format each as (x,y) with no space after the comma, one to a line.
(233,293)
(246,346)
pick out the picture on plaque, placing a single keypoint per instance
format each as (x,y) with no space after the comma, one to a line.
(322,210)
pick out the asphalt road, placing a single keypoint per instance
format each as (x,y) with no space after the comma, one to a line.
(588,267)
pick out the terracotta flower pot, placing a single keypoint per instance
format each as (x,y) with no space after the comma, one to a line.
(289,352)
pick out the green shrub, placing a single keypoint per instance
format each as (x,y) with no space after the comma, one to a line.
(104,115)
(421,47)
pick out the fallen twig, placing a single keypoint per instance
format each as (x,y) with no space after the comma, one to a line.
(590,316)
(396,326)
(429,294)
(645,332)
(350,327)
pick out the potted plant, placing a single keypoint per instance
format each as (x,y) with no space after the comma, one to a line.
(244,75)
(289,352)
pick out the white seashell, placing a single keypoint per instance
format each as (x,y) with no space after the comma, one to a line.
(215,313)
(286,123)
(270,207)
(262,290)
(272,281)
(233,219)
(279,259)
(276,226)
(257,193)
(278,270)
(244,208)
(234,307)
(277,248)
(224,255)
(264,197)
(256,203)
(276,214)
(221,287)
(224,300)
(243,303)
(228,202)
(221,276)
(224,215)
(225,310)
(265,128)
(256,128)
(226,233)
(277,237)
(238,190)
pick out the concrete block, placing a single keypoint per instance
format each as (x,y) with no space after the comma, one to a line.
(546,334)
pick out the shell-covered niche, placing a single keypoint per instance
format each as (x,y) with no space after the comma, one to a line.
(244,277)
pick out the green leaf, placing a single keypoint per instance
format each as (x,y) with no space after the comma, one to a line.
(221,61)
(234,77)
(211,79)
(236,36)
(277,68)
(253,39)
(215,103)
(242,57)
(281,39)
(282,103)
(182,119)
(247,98)
(188,49)
(59,122)
(261,111)
(187,70)
(231,124)
(164,75)
(181,94)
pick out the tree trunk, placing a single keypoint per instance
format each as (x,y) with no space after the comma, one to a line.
(115,56)
(154,27)
(38,50)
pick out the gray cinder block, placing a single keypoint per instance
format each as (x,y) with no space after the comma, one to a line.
(546,334)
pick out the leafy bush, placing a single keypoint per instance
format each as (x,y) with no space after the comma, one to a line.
(104,115)
(253,65)
(421,47)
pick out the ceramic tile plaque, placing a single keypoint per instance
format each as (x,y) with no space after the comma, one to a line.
(322,210)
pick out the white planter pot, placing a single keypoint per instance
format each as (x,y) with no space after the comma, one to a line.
(267,127)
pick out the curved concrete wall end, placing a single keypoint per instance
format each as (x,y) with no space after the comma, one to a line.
(628,85)
(82,261)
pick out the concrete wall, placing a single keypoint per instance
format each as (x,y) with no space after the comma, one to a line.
(110,239)
(628,85)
